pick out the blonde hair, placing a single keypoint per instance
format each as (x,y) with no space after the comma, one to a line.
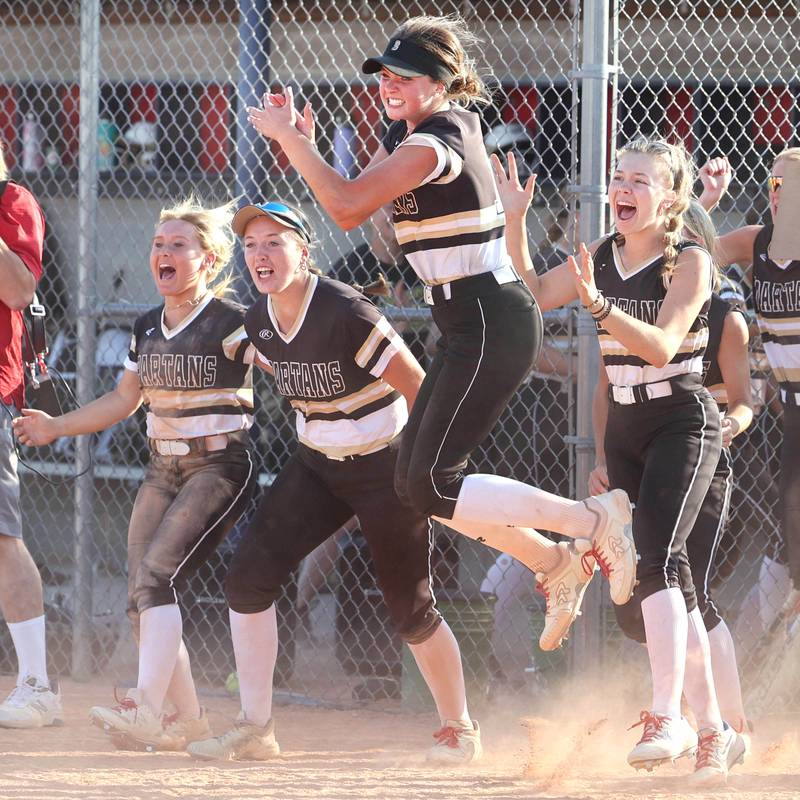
(447,39)
(680,174)
(698,222)
(789,154)
(213,226)
(3,166)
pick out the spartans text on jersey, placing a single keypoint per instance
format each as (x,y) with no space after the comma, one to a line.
(309,380)
(772,296)
(177,370)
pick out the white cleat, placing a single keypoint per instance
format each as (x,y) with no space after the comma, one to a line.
(243,742)
(717,753)
(665,739)
(612,542)
(32,705)
(456,744)
(563,589)
(132,721)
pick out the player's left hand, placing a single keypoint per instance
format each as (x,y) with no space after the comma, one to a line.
(277,116)
(583,274)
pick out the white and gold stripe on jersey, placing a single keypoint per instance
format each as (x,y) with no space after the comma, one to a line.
(379,347)
(462,223)
(449,164)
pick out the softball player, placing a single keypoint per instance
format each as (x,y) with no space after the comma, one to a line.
(186,364)
(777,305)
(432,166)
(649,294)
(726,375)
(350,379)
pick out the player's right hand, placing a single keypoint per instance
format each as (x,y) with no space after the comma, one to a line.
(35,427)
(515,197)
(598,480)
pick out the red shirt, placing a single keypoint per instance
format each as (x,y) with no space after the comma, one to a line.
(22,229)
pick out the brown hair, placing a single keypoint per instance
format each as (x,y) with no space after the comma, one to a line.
(698,223)
(213,226)
(680,174)
(447,39)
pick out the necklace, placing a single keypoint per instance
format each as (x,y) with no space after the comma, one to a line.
(194,302)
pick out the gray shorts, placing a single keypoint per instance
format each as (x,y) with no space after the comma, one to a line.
(10,519)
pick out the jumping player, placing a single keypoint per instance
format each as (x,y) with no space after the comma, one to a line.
(432,166)
(186,364)
(649,294)
(350,379)
(727,377)
(777,306)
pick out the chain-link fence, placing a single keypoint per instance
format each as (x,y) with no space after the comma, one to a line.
(107,123)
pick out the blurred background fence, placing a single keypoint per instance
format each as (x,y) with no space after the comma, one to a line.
(112,110)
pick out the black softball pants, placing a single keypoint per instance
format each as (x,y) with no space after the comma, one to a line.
(490,338)
(312,497)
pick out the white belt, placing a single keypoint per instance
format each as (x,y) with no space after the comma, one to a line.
(790,398)
(627,395)
(501,275)
(182,447)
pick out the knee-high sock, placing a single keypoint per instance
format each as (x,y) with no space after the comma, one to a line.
(528,546)
(255,646)
(698,684)
(726,676)
(665,624)
(495,500)
(439,661)
(160,632)
(181,691)
(30,646)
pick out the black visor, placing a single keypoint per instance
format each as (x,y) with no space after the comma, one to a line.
(407,59)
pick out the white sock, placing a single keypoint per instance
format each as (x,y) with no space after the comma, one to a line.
(439,661)
(160,632)
(495,500)
(181,691)
(30,644)
(698,682)
(774,584)
(528,546)
(726,676)
(255,645)
(665,625)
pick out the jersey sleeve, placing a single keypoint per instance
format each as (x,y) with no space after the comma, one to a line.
(444,137)
(394,136)
(237,346)
(373,340)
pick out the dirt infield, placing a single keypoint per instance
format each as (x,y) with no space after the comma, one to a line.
(335,755)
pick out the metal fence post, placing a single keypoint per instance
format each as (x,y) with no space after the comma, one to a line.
(255,18)
(85,379)
(593,76)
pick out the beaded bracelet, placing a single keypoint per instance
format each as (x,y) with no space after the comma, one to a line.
(599,299)
(604,312)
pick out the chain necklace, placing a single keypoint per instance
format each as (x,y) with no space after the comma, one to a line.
(194,302)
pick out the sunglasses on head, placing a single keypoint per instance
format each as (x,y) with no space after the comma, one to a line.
(774,182)
(288,215)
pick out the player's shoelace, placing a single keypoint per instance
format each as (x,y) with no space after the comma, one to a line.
(599,557)
(125,704)
(708,750)
(447,736)
(544,590)
(653,723)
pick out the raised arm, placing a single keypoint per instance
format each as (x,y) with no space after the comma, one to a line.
(715,175)
(347,202)
(598,477)
(658,343)
(37,428)
(556,287)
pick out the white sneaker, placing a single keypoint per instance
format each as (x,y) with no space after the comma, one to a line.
(132,719)
(612,542)
(176,735)
(664,739)
(563,589)
(243,742)
(456,744)
(32,705)
(717,753)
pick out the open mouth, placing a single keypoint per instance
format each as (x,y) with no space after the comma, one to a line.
(625,211)
(394,102)
(264,272)
(165,272)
